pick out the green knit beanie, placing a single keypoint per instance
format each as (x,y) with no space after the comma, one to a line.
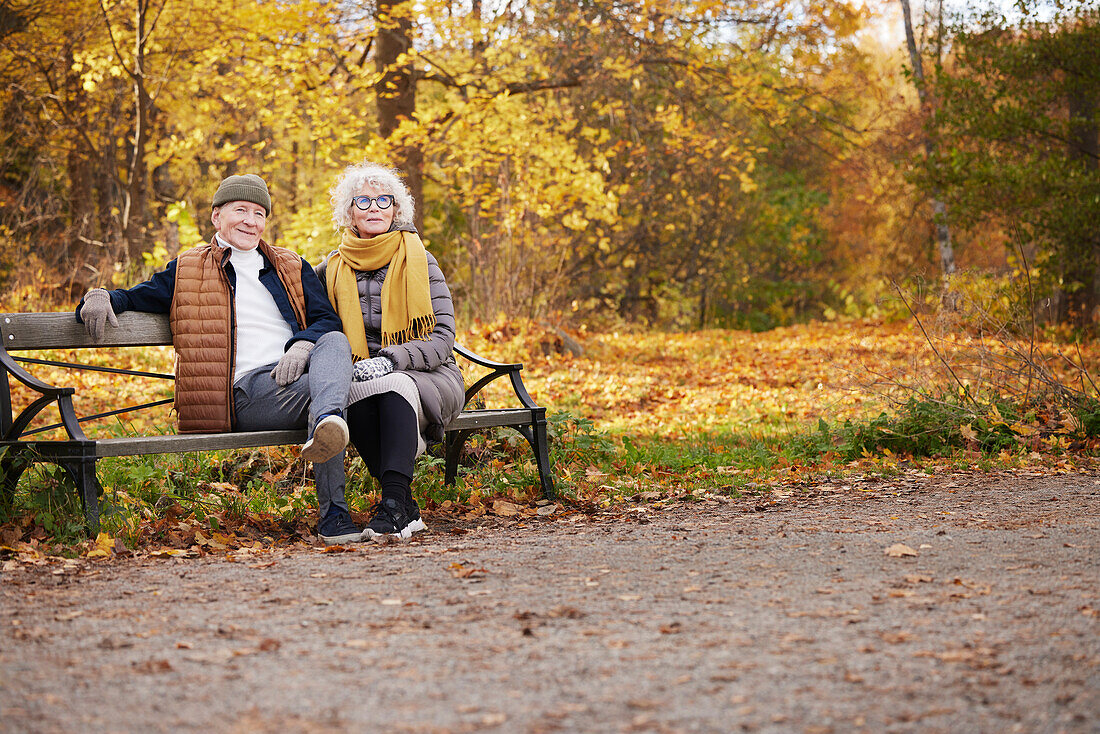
(243,187)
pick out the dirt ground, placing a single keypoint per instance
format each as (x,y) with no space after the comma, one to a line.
(783,614)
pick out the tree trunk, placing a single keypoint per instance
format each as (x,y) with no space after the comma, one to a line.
(395,90)
(79,164)
(939,208)
(135,213)
(1080,266)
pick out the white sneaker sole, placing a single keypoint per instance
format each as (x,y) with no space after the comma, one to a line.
(407,532)
(329,439)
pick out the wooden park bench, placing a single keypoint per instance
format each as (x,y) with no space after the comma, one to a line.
(20,445)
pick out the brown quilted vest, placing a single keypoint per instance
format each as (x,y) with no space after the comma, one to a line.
(202,322)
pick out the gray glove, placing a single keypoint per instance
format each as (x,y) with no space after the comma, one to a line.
(96,312)
(293,363)
(368,369)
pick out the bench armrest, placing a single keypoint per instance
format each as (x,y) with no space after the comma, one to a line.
(13,428)
(485,362)
(14,369)
(497,369)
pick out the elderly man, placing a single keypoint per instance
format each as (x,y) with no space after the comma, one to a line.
(250,321)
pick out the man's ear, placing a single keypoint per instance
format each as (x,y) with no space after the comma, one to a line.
(214,216)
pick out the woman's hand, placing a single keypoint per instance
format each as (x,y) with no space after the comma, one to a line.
(368,369)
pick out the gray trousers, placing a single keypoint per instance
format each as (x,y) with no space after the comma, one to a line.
(262,405)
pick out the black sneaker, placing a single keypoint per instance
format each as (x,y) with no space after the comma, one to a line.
(338,528)
(391,518)
(415,523)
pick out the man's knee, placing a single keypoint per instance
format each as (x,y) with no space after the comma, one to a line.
(333,345)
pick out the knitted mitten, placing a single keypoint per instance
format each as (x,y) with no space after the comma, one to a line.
(368,369)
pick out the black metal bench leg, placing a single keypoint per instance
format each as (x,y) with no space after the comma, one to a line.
(535,433)
(541,446)
(87,485)
(12,467)
(453,443)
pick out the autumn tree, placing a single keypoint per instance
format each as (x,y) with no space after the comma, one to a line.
(668,162)
(50,138)
(125,114)
(1019,123)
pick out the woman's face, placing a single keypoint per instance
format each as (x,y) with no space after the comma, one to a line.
(374,219)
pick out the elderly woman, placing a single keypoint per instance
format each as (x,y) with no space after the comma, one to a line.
(396,311)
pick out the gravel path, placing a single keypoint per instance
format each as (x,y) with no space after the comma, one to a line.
(776,615)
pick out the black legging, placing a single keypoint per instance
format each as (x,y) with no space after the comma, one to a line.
(383,429)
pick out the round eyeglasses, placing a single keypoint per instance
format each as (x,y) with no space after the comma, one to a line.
(384,201)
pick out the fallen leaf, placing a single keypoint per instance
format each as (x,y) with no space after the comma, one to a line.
(169,552)
(153,666)
(503,508)
(900,549)
(460,571)
(982,589)
(104,547)
(645,704)
(269,644)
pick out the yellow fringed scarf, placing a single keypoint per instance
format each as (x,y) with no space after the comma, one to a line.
(406,294)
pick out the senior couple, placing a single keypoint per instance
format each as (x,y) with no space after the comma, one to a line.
(358,348)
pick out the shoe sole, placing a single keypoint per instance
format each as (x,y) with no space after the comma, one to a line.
(342,539)
(329,439)
(407,532)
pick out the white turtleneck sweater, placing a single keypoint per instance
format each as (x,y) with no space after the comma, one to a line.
(260,326)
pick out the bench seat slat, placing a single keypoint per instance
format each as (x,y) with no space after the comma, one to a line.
(130,446)
(470,419)
(136,445)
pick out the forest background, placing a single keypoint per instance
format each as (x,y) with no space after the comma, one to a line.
(640,166)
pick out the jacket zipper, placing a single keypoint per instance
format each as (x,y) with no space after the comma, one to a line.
(232,338)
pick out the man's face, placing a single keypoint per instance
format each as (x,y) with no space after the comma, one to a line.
(240,223)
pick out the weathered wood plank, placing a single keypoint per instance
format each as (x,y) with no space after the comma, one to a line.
(61,330)
(138,445)
(469,419)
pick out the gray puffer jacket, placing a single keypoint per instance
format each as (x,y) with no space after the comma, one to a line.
(430,363)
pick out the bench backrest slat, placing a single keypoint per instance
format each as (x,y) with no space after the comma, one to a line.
(63,331)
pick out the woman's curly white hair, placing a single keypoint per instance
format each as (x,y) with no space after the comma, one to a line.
(387,180)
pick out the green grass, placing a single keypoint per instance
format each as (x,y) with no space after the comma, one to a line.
(590,465)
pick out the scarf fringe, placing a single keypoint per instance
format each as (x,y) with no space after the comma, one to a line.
(421,328)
